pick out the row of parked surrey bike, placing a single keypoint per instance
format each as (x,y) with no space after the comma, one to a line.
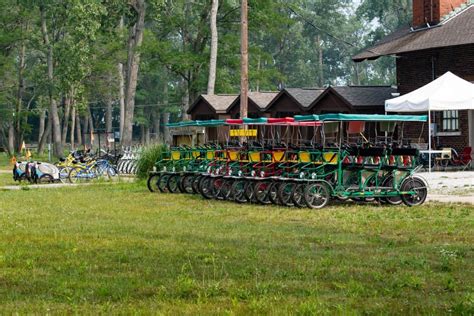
(303,175)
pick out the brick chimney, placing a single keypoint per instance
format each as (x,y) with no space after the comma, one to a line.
(431,11)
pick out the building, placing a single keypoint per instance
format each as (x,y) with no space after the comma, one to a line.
(440,39)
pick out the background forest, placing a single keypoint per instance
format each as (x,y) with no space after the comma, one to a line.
(72,67)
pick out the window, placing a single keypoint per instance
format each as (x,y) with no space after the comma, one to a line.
(450,121)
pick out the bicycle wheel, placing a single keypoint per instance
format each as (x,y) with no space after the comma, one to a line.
(297,195)
(249,191)
(273,193)
(112,172)
(285,191)
(173,183)
(392,200)
(216,189)
(64,174)
(238,191)
(75,175)
(152,182)
(261,192)
(317,195)
(163,182)
(187,183)
(205,187)
(226,189)
(195,184)
(419,187)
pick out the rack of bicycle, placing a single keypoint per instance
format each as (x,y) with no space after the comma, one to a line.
(79,166)
(302,161)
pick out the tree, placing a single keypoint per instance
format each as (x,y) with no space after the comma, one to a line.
(244,76)
(214,43)
(135,40)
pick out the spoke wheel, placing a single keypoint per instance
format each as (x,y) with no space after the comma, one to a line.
(285,191)
(173,183)
(195,184)
(392,200)
(226,189)
(273,193)
(64,174)
(420,189)
(238,191)
(249,191)
(316,195)
(298,195)
(216,188)
(205,187)
(75,175)
(187,183)
(152,182)
(261,192)
(163,182)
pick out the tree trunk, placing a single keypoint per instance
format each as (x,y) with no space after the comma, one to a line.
(147,135)
(166,120)
(85,129)
(244,75)
(214,43)
(11,138)
(185,100)
(108,116)
(121,89)
(73,126)
(156,125)
(41,124)
(91,126)
(53,111)
(67,112)
(78,129)
(134,42)
(45,137)
(320,61)
(142,134)
(18,117)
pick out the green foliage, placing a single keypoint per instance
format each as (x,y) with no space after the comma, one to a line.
(293,43)
(149,156)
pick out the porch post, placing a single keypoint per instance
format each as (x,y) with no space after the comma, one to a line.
(429,140)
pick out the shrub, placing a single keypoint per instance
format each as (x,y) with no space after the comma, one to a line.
(148,158)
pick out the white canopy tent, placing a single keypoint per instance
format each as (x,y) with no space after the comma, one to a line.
(448,92)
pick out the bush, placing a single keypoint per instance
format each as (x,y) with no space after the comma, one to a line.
(148,158)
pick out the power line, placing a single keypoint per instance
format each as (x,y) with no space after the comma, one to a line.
(136,105)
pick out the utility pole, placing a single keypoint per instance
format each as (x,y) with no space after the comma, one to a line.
(244,75)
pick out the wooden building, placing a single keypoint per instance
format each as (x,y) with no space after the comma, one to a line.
(211,107)
(440,39)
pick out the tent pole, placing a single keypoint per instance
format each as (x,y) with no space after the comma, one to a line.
(429,140)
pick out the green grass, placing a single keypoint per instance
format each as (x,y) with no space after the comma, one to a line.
(119,249)
(6,178)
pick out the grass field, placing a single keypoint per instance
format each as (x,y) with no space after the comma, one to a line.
(119,249)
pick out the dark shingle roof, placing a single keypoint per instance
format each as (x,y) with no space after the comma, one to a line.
(458,30)
(262,99)
(219,102)
(360,96)
(305,97)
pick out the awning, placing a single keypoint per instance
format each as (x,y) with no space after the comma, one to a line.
(340,117)
(448,92)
